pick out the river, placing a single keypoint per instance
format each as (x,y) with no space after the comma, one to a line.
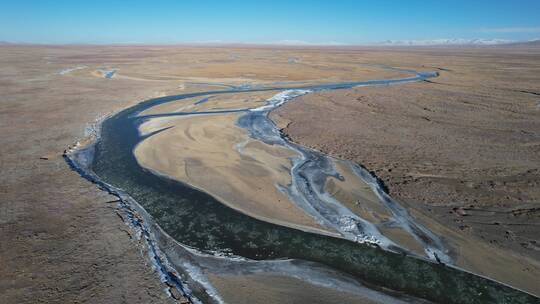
(189,231)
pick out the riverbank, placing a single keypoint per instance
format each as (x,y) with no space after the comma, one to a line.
(61,238)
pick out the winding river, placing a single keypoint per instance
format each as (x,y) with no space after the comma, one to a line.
(190,232)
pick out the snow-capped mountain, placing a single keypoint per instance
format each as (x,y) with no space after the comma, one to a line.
(454,41)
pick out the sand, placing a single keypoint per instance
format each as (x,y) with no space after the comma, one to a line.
(202,151)
(278,289)
(212,102)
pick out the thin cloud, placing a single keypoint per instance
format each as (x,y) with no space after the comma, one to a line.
(511,30)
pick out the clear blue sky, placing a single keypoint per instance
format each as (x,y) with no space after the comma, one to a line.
(350,22)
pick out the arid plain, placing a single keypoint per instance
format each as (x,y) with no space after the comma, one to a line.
(461,151)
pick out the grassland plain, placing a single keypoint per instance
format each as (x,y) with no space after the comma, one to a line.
(61,240)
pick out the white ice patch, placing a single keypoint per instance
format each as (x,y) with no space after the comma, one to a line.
(279,99)
(197,275)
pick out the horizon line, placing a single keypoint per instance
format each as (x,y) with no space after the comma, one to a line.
(477,42)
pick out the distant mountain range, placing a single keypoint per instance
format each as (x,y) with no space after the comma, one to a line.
(456,42)
(526,43)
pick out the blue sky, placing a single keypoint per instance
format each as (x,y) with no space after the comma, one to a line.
(348,22)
